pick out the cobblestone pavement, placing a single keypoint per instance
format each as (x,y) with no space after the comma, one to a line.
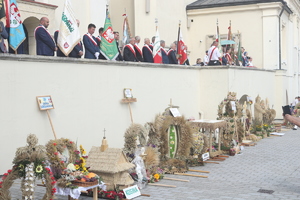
(273,164)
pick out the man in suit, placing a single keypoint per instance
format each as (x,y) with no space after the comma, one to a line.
(117,37)
(92,50)
(129,52)
(139,54)
(172,54)
(147,51)
(77,51)
(45,44)
(164,55)
(99,37)
(3,35)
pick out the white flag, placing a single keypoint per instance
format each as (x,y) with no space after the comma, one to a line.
(69,35)
(156,49)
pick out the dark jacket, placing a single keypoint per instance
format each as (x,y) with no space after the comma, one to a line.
(147,54)
(91,47)
(129,54)
(3,35)
(172,57)
(164,56)
(45,44)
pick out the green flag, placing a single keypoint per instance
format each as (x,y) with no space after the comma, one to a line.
(2,10)
(108,45)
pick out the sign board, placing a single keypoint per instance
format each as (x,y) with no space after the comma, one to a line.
(132,192)
(45,102)
(205,156)
(128,93)
(175,112)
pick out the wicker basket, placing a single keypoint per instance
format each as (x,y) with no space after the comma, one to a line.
(84,184)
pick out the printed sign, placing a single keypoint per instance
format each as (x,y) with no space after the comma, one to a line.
(132,192)
(175,112)
(45,102)
(127,93)
(205,156)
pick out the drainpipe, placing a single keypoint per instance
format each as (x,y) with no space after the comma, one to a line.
(279,22)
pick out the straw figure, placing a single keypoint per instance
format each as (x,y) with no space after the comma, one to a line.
(29,165)
(258,110)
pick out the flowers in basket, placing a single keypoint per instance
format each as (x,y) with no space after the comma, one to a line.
(156,175)
(112,194)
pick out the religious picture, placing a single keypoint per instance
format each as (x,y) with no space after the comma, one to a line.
(45,102)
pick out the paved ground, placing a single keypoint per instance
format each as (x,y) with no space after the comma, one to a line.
(273,164)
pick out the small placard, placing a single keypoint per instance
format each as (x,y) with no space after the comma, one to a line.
(233,106)
(175,112)
(132,192)
(205,156)
(45,102)
(128,93)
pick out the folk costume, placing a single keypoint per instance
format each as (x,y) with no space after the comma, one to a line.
(92,50)
(129,53)
(172,57)
(147,53)
(45,44)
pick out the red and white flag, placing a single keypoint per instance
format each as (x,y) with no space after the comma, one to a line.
(182,51)
(156,49)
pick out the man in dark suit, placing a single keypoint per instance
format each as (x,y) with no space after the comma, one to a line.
(129,52)
(164,55)
(99,37)
(172,54)
(45,44)
(147,51)
(117,37)
(3,35)
(139,54)
(92,50)
(59,53)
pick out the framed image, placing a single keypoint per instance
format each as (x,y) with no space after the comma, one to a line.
(127,93)
(45,102)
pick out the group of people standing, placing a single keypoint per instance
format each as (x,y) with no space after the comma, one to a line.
(47,45)
(214,57)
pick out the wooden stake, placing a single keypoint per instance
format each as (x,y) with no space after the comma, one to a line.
(176,179)
(145,195)
(223,156)
(51,124)
(194,170)
(162,185)
(130,113)
(95,193)
(183,174)
(211,162)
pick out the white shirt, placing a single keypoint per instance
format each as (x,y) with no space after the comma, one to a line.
(215,55)
(295,102)
(205,59)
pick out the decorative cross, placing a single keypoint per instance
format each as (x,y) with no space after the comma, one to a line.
(171,105)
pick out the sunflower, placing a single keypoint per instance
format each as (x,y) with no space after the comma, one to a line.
(21,167)
(156,176)
(77,166)
(39,169)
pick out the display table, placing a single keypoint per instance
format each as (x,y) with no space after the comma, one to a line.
(75,193)
(209,126)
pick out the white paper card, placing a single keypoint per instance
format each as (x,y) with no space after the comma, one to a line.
(205,156)
(233,107)
(175,112)
(132,192)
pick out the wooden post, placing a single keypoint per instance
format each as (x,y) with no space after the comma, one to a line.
(176,179)
(95,193)
(183,174)
(193,170)
(51,124)
(130,113)
(163,185)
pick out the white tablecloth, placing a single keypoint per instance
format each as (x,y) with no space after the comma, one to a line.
(75,193)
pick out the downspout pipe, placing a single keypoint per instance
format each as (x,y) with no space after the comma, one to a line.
(279,29)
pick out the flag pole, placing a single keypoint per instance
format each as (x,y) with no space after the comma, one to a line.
(156,23)
(178,36)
